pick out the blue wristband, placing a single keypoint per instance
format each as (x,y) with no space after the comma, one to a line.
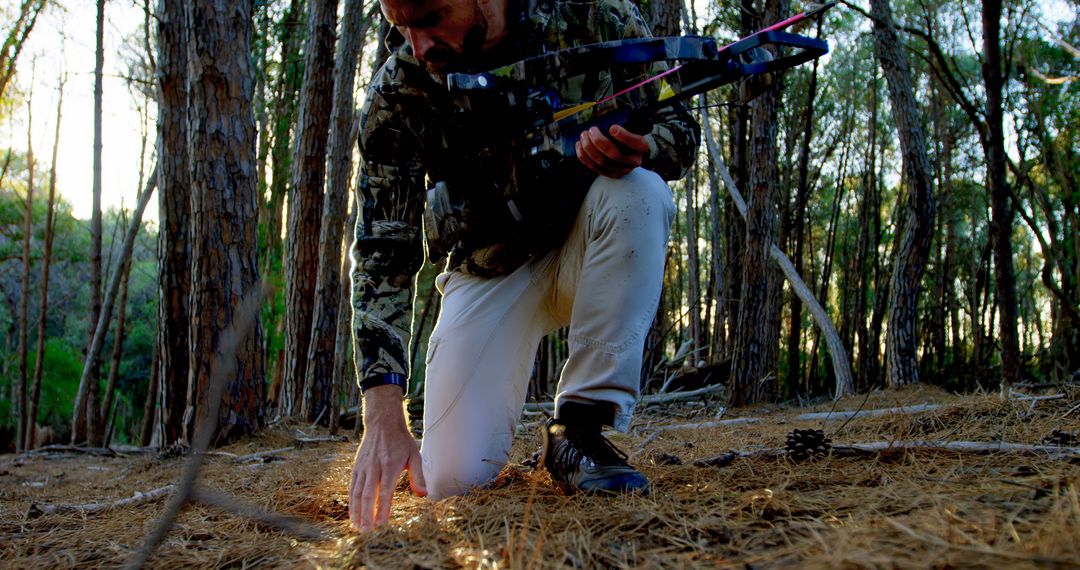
(383,379)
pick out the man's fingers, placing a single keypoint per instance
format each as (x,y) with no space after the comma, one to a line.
(603,151)
(385,497)
(634,142)
(355,486)
(368,495)
(416,473)
(591,164)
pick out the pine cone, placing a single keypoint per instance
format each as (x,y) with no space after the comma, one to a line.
(1060,438)
(803,444)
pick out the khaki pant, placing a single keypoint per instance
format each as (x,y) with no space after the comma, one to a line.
(604,282)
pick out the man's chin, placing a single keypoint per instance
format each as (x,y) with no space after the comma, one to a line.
(444,68)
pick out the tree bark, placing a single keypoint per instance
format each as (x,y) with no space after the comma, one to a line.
(272,210)
(224,213)
(46,260)
(146,432)
(1001,210)
(174,215)
(118,344)
(306,197)
(755,360)
(901,341)
(85,417)
(802,188)
(866,267)
(328,299)
(22,421)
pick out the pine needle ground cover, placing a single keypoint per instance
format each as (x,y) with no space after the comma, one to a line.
(903,508)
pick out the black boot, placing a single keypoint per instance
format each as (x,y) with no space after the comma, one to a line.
(582,459)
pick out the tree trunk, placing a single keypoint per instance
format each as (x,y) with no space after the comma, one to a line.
(146,432)
(306,199)
(85,418)
(174,215)
(664,17)
(901,341)
(1001,209)
(320,368)
(867,212)
(802,194)
(693,266)
(46,260)
(344,372)
(118,345)
(22,420)
(272,209)
(224,212)
(753,365)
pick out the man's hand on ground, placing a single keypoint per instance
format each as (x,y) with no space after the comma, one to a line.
(386,449)
(603,156)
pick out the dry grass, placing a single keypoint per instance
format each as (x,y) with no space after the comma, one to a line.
(915,509)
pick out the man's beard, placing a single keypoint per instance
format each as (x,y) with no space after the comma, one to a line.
(444,59)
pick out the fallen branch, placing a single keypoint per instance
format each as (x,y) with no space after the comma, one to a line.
(321,439)
(40,509)
(292,525)
(845,415)
(964,446)
(1014,395)
(64,448)
(877,447)
(652,399)
(264,455)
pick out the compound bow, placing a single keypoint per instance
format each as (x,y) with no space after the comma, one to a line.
(522,102)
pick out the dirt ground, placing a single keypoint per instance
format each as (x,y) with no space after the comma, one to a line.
(914,508)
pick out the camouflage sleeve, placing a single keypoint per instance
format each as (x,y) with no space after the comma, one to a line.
(673,141)
(387,250)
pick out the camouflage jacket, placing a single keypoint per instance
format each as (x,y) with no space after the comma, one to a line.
(401,148)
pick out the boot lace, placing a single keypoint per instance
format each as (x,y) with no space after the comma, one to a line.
(593,446)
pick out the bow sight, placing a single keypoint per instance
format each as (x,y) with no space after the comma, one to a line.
(521,105)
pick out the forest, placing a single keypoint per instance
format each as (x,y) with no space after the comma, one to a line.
(961,273)
(900,214)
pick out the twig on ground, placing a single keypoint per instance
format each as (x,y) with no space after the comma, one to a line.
(292,525)
(262,455)
(876,447)
(1071,410)
(64,448)
(39,509)
(1013,394)
(645,400)
(321,439)
(845,415)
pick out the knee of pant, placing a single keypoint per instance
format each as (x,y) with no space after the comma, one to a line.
(641,192)
(453,474)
